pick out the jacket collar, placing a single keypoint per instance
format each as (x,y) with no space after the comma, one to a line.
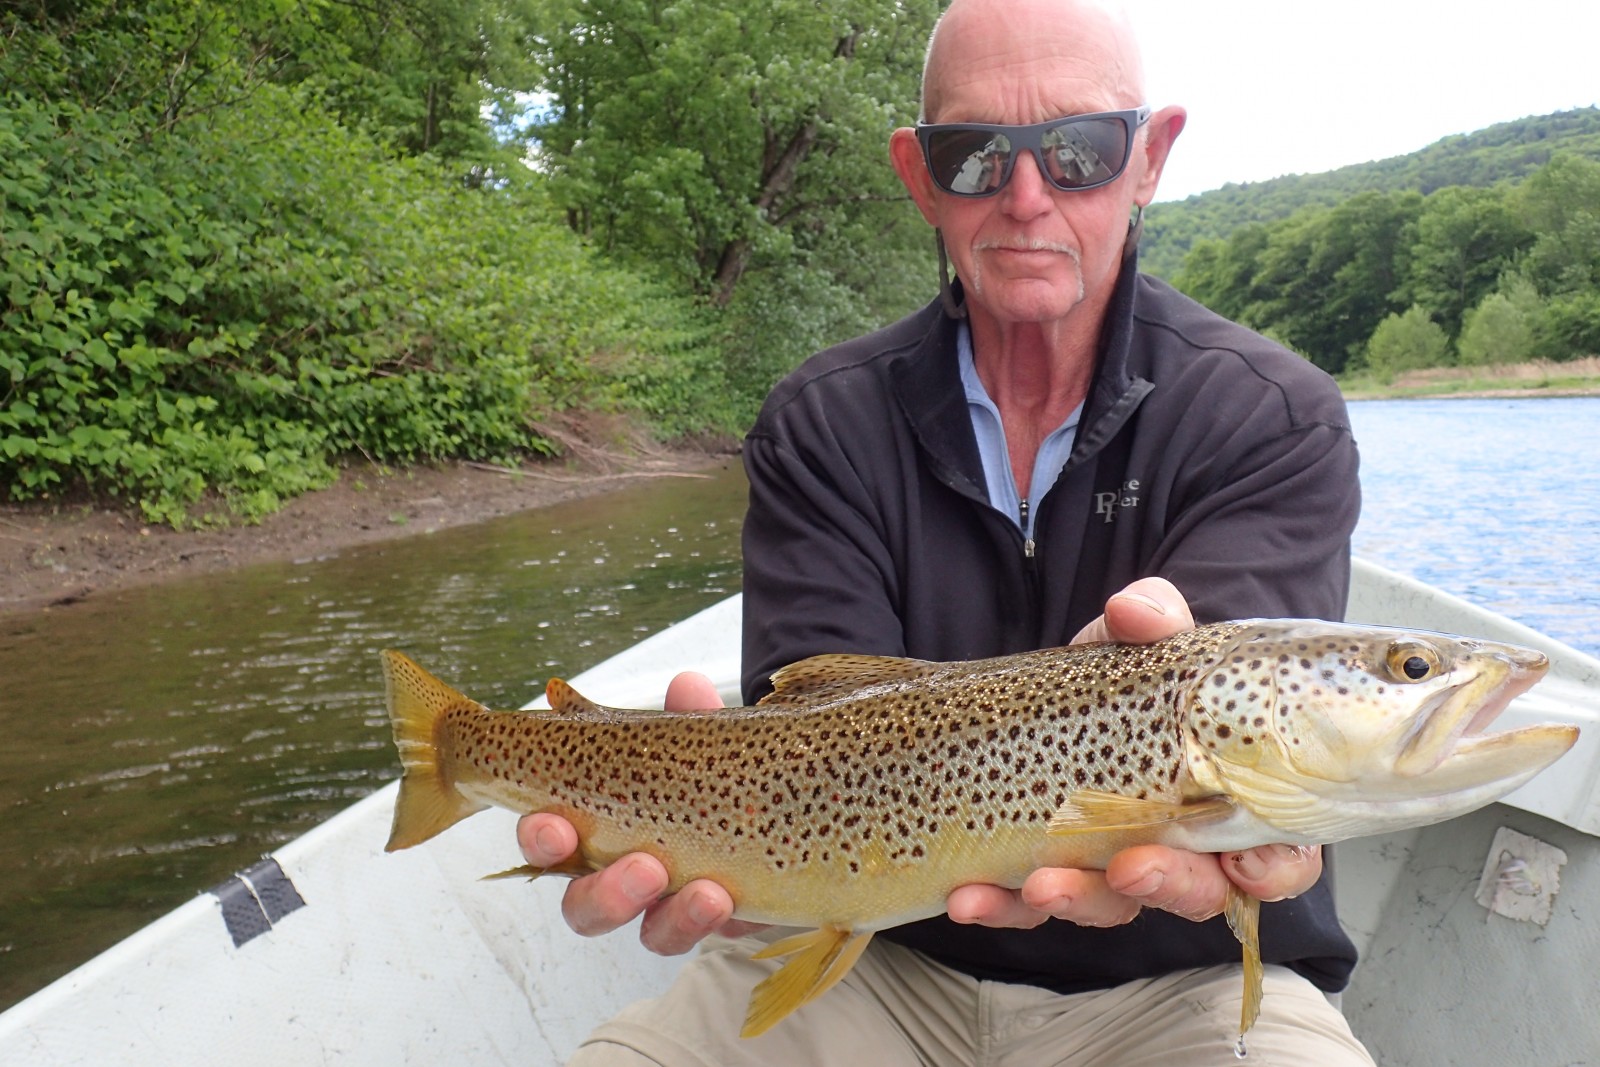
(927,381)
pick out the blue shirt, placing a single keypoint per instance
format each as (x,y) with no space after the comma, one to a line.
(1052,456)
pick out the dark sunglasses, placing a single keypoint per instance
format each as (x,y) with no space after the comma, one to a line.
(1077,152)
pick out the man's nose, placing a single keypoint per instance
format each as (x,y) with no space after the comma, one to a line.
(1027,193)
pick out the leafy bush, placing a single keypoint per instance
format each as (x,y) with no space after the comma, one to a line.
(1406,342)
(1501,329)
(222,309)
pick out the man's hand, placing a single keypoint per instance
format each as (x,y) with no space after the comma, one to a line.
(599,903)
(1190,884)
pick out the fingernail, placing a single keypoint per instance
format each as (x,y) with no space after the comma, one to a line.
(1145,885)
(549,843)
(640,883)
(703,911)
(1249,865)
(1140,598)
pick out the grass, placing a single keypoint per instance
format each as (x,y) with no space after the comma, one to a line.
(1540,377)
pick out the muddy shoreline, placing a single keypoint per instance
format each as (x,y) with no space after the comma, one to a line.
(54,555)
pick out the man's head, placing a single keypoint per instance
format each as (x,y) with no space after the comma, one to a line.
(1033,251)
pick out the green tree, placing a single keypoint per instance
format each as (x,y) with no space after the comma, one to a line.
(1410,340)
(712,138)
(1561,203)
(1461,243)
(1501,329)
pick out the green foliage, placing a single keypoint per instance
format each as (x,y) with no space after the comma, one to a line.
(1504,152)
(1319,280)
(215,313)
(1459,246)
(1406,341)
(1570,327)
(714,139)
(1501,329)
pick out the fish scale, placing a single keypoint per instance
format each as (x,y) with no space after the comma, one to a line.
(865,789)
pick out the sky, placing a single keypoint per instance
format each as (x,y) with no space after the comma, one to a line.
(1278,87)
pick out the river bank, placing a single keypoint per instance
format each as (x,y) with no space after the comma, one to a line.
(53,555)
(1539,377)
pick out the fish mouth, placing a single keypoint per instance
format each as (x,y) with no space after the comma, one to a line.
(1451,746)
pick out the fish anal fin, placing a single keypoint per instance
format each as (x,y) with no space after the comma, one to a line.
(429,801)
(820,958)
(1244,919)
(1092,811)
(835,674)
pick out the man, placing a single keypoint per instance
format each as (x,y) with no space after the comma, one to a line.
(984,477)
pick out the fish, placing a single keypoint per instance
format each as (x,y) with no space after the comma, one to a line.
(863,789)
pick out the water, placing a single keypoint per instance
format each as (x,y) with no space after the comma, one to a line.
(158,740)
(1497,501)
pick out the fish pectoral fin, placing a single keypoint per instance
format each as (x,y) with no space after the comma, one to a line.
(1091,811)
(574,866)
(837,673)
(821,958)
(1244,919)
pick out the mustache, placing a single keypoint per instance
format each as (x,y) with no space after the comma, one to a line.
(1026,244)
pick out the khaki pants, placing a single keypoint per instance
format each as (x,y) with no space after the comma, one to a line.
(897,1008)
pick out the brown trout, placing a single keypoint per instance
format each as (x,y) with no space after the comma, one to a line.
(864,789)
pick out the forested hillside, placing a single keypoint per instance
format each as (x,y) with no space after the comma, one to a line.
(1389,281)
(1506,151)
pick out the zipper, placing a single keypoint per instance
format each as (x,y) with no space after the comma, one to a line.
(1022,521)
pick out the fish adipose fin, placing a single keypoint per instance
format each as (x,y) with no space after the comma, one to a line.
(822,677)
(429,801)
(1244,919)
(1091,811)
(821,958)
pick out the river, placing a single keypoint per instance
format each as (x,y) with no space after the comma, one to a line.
(161,738)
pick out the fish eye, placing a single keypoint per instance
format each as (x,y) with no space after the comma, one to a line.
(1411,662)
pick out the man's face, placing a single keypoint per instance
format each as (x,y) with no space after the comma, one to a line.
(1031,252)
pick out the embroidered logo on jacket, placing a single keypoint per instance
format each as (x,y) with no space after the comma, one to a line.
(1107,504)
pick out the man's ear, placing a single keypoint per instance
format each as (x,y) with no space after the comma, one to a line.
(1160,132)
(906,155)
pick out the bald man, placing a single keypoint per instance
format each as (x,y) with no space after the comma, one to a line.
(1057,448)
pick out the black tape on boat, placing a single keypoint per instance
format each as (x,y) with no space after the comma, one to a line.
(256,898)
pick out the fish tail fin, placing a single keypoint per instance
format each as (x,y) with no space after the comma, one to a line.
(1244,919)
(429,801)
(821,958)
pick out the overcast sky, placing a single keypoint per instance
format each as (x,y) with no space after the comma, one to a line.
(1298,86)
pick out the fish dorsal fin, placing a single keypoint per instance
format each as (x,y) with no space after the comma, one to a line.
(821,958)
(821,677)
(565,700)
(1091,811)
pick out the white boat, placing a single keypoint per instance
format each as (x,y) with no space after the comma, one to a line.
(333,950)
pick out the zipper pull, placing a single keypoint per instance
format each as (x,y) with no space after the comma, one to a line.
(1022,521)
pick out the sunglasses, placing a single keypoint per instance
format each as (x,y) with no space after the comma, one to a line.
(1074,153)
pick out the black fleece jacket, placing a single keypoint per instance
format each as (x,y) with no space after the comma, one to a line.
(1206,454)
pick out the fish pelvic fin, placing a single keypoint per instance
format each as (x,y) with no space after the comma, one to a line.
(821,958)
(1244,919)
(429,801)
(1092,811)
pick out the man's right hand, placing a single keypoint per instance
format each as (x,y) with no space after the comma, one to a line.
(599,903)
